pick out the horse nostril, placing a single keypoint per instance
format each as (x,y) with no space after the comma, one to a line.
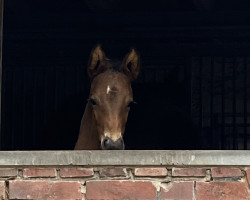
(120,144)
(106,143)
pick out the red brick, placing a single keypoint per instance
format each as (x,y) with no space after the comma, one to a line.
(2,190)
(196,172)
(120,190)
(221,191)
(50,190)
(8,172)
(76,172)
(248,175)
(113,172)
(39,172)
(219,172)
(152,172)
(178,190)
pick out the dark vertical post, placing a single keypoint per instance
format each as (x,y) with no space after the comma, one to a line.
(154,76)
(223,139)
(200,98)
(1,36)
(234,133)
(212,101)
(187,81)
(245,101)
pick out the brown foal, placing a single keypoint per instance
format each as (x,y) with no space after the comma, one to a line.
(105,116)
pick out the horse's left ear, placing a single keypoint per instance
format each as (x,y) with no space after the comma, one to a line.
(131,64)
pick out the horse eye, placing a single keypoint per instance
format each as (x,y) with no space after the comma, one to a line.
(93,102)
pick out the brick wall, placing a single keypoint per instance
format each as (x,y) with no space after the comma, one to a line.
(126,175)
(125,182)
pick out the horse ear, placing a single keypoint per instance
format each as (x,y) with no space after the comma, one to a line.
(97,62)
(131,64)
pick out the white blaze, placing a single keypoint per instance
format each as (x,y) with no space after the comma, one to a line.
(108,89)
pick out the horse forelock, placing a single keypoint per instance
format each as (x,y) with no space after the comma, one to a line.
(114,65)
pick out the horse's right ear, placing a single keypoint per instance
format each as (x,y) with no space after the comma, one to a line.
(97,62)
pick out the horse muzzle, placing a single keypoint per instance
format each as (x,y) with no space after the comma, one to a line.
(108,144)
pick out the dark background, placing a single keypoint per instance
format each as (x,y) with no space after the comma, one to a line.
(46,46)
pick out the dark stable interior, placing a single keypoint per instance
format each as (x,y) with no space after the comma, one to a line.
(182,102)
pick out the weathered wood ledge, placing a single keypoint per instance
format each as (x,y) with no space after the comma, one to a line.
(125,158)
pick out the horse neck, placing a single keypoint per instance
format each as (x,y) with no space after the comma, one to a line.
(88,135)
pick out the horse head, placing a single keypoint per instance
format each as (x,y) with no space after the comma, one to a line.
(110,98)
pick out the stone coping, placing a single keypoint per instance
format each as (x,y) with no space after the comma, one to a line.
(125,158)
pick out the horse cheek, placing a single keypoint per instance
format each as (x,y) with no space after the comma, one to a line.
(98,118)
(124,121)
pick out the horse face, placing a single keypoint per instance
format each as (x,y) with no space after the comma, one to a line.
(111,97)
